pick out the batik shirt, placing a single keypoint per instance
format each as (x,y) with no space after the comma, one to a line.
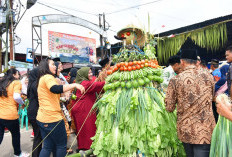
(192,93)
(229,78)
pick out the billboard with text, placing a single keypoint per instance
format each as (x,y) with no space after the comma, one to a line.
(72,48)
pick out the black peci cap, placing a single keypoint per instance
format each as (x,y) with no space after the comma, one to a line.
(214,61)
(188,54)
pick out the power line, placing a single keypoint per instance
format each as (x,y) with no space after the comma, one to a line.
(71,9)
(136,6)
(73,15)
(55,9)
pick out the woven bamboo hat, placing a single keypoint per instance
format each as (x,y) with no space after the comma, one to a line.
(132,33)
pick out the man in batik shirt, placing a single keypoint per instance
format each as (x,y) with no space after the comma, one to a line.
(191,92)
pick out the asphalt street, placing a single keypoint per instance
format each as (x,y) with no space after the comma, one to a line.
(6,148)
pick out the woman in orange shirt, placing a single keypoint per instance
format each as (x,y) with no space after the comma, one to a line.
(49,116)
(10,95)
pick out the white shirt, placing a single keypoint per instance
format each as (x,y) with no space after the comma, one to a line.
(168,73)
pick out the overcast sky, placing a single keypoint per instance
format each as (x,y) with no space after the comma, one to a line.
(171,13)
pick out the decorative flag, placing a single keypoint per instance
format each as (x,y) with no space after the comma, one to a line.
(171,36)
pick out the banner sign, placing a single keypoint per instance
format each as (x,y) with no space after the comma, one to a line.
(18,64)
(72,48)
(29,55)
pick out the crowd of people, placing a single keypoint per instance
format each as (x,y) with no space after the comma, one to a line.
(59,106)
(192,89)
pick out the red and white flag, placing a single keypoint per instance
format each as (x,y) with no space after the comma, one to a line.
(171,36)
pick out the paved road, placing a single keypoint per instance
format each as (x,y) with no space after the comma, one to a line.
(6,148)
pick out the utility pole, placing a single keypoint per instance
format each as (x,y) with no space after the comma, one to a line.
(101,38)
(9,23)
(7,30)
(12,55)
(104,28)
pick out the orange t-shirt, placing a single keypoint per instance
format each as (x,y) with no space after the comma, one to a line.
(8,106)
(49,103)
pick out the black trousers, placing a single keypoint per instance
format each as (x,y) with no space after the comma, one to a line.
(37,145)
(197,150)
(215,111)
(13,127)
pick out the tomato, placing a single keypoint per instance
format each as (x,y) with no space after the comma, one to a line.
(147,80)
(126,64)
(149,64)
(130,63)
(118,65)
(161,80)
(138,67)
(150,77)
(134,68)
(116,76)
(128,84)
(117,84)
(115,68)
(128,33)
(146,60)
(125,68)
(109,86)
(123,84)
(135,62)
(122,63)
(121,68)
(135,84)
(142,65)
(109,72)
(153,65)
(139,62)
(122,35)
(155,78)
(111,68)
(142,61)
(141,82)
(146,64)
(129,68)
(74,97)
(158,79)
(105,88)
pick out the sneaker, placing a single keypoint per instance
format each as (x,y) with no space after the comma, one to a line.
(23,154)
(32,134)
